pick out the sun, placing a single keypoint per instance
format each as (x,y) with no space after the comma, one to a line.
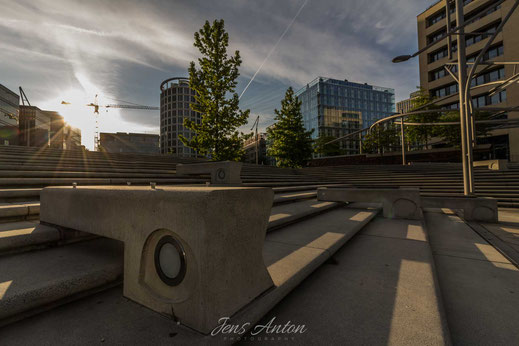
(75,112)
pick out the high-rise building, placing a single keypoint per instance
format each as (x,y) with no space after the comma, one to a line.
(406,105)
(9,116)
(57,125)
(35,127)
(255,145)
(122,142)
(335,108)
(175,100)
(482,17)
(72,138)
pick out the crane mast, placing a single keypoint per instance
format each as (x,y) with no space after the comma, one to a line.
(255,125)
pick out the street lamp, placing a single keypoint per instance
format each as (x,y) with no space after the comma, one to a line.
(462,78)
(465,102)
(401,58)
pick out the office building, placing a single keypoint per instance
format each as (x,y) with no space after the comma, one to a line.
(482,18)
(72,138)
(122,142)
(255,145)
(335,108)
(406,105)
(57,125)
(9,116)
(175,100)
(35,127)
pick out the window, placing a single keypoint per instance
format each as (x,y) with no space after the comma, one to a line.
(470,40)
(436,36)
(435,18)
(486,100)
(490,54)
(447,90)
(491,76)
(439,54)
(477,15)
(437,74)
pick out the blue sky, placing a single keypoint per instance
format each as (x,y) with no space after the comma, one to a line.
(122,49)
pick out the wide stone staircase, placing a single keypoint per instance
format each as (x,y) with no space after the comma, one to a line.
(441,179)
(350,275)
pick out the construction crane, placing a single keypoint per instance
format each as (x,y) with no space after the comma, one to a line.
(256,123)
(23,97)
(96,107)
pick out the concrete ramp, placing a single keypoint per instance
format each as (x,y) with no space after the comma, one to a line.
(382,290)
(480,286)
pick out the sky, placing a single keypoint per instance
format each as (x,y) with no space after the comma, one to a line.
(121,50)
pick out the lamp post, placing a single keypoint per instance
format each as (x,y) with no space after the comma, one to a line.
(402,139)
(466,137)
(255,125)
(462,78)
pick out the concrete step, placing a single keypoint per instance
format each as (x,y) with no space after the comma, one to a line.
(85,164)
(285,214)
(294,196)
(75,174)
(282,184)
(22,236)
(19,195)
(297,188)
(82,168)
(34,279)
(19,211)
(41,182)
(291,254)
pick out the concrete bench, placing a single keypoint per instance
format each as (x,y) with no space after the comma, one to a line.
(396,203)
(474,208)
(222,173)
(494,165)
(191,253)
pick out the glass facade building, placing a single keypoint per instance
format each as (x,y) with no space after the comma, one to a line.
(9,116)
(175,100)
(335,107)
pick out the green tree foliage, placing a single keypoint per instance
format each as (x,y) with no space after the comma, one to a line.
(291,143)
(333,149)
(382,138)
(422,134)
(451,134)
(216,135)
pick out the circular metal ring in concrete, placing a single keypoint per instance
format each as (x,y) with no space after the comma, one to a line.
(170,261)
(220,173)
(404,208)
(483,213)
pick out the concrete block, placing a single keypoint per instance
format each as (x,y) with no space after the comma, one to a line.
(493,165)
(474,208)
(191,253)
(396,203)
(222,173)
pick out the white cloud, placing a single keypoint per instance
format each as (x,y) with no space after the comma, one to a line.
(49,45)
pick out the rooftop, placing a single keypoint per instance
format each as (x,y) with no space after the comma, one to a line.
(344,83)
